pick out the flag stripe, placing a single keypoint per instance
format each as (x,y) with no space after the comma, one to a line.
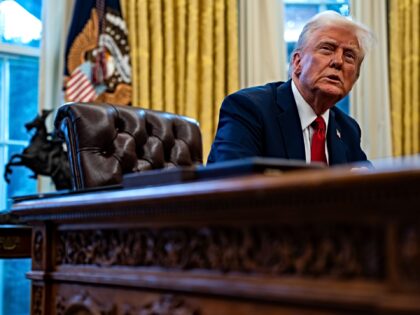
(90,97)
(85,84)
(77,84)
(85,92)
(79,88)
(74,81)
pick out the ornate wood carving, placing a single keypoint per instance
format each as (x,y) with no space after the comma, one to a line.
(337,251)
(37,297)
(409,247)
(166,305)
(169,305)
(37,248)
(83,304)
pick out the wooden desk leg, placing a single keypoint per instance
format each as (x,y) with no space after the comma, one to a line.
(37,298)
(41,264)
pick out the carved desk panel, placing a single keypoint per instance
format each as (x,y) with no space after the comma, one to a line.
(315,242)
(15,241)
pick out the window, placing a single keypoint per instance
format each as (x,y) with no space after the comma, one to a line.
(298,12)
(19,90)
(14,287)
(20,36)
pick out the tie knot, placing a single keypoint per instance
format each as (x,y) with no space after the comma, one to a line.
(318,124)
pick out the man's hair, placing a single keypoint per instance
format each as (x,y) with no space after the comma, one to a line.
(365,36)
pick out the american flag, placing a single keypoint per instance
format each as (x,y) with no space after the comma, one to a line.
(79,87)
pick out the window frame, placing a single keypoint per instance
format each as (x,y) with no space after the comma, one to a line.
(8,52)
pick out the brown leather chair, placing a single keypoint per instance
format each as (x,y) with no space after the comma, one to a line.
(106,141)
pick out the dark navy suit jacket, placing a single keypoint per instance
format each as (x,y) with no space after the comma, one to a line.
(264,121)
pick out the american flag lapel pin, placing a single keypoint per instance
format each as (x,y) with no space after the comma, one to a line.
(338,134)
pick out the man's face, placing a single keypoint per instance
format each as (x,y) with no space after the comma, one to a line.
(328,65)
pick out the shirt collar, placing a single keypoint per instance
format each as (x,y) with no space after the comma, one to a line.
(306,113)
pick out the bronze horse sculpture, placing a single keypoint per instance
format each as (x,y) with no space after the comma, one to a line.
(44,155)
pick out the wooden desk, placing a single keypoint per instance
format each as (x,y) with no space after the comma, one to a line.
(319,242)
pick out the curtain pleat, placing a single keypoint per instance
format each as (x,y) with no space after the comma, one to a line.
(192,86)
(415,92)
(169,57)
(262,52)
(181,55)
(156,42)
(370,97)
(144,78)
(184,57)
(219,53)
(406,81)
(405,76)
(207,66)
(232,46)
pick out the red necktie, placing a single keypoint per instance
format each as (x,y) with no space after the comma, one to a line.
(318,141)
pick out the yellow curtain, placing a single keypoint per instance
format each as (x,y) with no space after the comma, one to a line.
(405,75)
(184,57)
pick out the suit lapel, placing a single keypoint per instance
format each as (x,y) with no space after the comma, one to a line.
(336,146)
(289,121)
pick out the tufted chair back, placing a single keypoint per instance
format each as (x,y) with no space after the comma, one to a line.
(106,141)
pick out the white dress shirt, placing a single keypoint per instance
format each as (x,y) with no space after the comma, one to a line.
(307,116)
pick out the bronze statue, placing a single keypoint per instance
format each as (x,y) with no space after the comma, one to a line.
(44,155)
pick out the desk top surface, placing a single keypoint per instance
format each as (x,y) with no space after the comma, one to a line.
(330,185)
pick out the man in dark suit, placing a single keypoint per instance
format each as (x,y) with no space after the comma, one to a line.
(298,119)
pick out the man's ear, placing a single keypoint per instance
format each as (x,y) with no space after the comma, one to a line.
(296,61)
(359,66)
